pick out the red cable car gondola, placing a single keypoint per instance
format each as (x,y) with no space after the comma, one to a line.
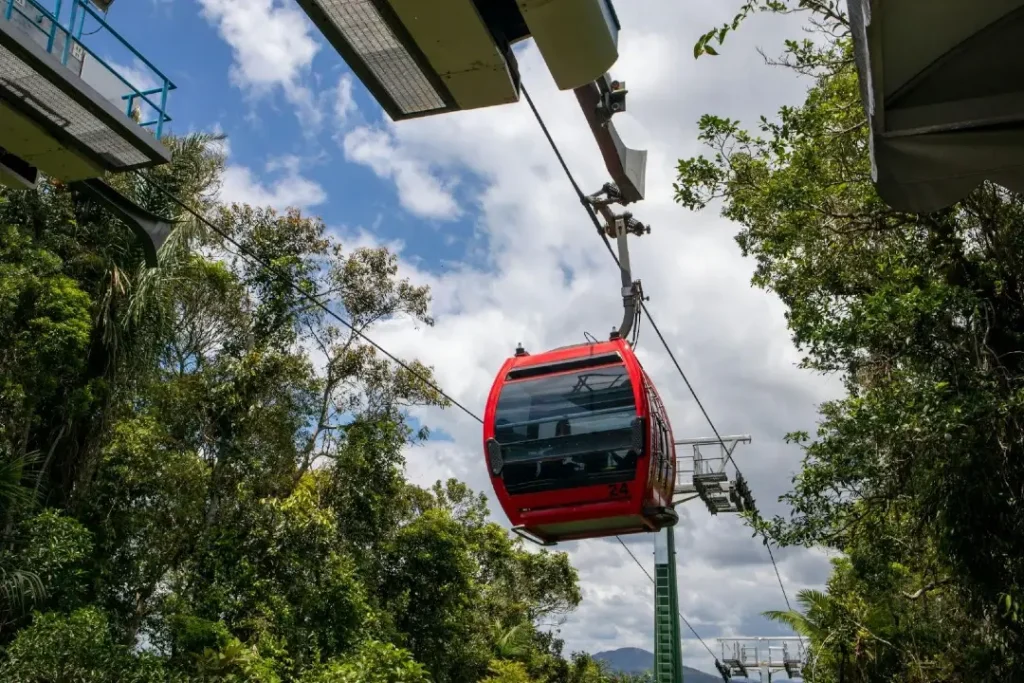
(578,444)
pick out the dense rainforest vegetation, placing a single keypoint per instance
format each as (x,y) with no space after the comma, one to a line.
(916,476)
(201,474)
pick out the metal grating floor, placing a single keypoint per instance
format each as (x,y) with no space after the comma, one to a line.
(369,35)
(20,81)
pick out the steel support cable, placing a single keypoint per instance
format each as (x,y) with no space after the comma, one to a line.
(778,575)
(604,238)
(644,570)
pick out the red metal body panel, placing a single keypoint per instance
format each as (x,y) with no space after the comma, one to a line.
(597,510)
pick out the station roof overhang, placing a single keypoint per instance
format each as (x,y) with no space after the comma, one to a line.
(942,83)
(419,63)
(453,55)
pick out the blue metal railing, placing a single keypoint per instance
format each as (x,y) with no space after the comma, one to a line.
(80,9)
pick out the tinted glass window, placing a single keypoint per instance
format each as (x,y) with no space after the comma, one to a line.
(567,430)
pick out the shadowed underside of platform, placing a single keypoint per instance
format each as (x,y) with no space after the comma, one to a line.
(53,120)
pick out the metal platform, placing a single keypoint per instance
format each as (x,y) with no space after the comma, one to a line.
(742,656)
(766,656)
(54,120)
(701,476)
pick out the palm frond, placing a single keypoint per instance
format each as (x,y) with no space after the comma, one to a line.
(793,619)
(812,599)
(15,472)
(19,587)
(514,641)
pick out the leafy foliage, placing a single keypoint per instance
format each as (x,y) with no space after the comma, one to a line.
(373,662)
(202,473)
(76,647)
(916,474)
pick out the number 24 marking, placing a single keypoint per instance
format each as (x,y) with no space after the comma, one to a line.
(618,490)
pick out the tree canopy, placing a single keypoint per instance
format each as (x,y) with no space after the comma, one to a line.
(201,472)
(915,475)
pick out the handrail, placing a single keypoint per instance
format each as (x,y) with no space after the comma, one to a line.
(85,5)
(74,34)
(161,109)
(52,16)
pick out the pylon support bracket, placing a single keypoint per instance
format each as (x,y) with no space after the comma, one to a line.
(628,167)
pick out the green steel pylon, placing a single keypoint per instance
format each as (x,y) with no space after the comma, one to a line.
(668,650)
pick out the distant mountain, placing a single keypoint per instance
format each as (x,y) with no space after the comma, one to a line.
(633,660)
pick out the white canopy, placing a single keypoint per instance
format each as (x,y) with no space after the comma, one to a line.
(942,82)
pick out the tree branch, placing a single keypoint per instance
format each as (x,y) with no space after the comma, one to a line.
(927,588)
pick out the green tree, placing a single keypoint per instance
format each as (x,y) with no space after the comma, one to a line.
(78,647)
(916,473)
(202,473)
(504,671)
(372,662)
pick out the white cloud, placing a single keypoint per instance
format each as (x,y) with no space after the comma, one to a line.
(419,191)
(547,279)
(344,103)
(290,189)
(273,47)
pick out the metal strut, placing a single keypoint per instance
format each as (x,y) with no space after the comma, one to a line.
(599,101)
(620,226)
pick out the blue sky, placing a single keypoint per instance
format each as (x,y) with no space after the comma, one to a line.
(268,131)
(477,208)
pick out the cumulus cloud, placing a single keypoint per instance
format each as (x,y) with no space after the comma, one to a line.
(290,189)
(344,103)
(273,47)
(419,191)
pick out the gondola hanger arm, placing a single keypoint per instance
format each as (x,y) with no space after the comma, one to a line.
(619,227)
(600,101)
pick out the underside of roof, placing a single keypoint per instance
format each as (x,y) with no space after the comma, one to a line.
(943,86)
